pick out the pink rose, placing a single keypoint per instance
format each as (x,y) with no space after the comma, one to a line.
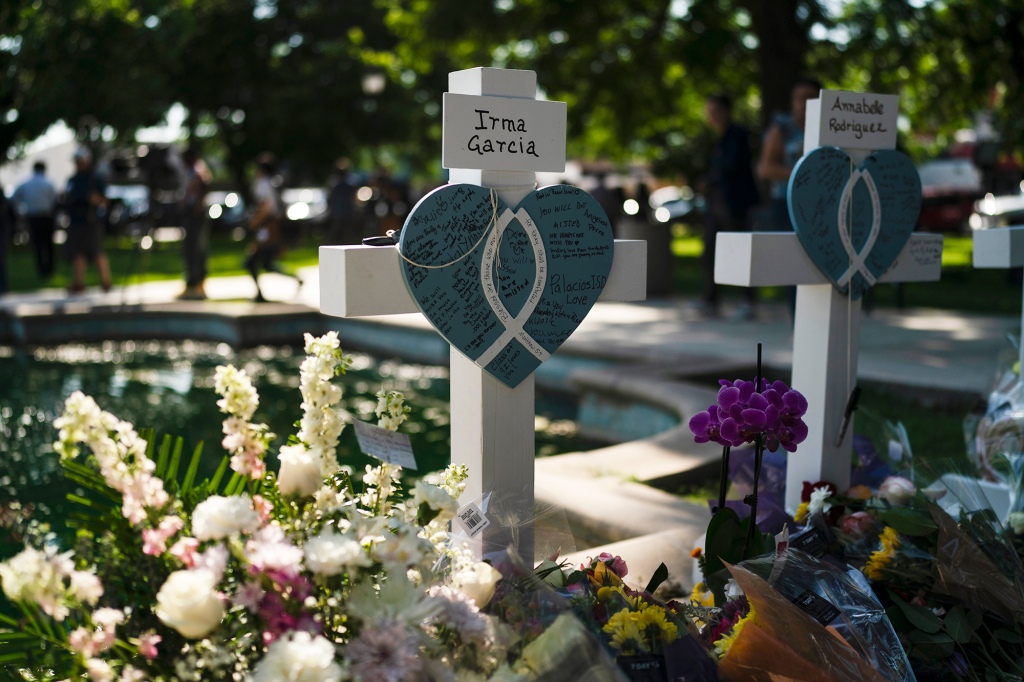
(897,491)
(857,525)
(185,550)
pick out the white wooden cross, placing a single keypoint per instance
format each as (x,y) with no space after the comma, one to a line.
(827,326)
(492,424)
(1001,248)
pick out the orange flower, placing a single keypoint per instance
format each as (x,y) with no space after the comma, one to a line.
(602,576)
(697,551)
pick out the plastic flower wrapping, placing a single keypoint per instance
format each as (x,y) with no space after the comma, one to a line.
(947,571)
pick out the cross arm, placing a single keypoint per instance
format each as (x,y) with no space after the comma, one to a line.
(758,259)
(359,281)
(1000,247)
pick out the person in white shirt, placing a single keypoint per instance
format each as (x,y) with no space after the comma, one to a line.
(36,200)
(265,225)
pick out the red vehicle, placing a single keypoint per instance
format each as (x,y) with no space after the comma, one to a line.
(949,188)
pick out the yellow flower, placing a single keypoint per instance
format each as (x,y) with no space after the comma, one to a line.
(801,512)
(603,575)
(702,596)
(626,631)
(723,645)
(876,563)
(640,630)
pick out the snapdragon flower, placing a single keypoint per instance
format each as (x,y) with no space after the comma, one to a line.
(245,441)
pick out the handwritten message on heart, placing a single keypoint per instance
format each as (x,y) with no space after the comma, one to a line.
(505,286)
(854,222)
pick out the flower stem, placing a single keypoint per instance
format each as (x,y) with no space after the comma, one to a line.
(752,500)
(723,479)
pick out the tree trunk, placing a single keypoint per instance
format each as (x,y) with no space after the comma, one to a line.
(781,52)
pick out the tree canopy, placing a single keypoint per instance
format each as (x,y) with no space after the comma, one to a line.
(312,80)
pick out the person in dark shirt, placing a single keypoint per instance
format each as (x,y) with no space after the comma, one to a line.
(85,193)
(730,193)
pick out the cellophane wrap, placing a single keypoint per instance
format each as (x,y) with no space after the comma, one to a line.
(785,644)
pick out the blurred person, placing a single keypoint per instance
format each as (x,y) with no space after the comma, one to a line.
(265,225)
(730,192)
(7,218)
(783,147)
(610,200)
(36,200)
(84,195)
(193,212)
(341,209)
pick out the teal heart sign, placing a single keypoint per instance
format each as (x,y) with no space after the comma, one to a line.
(853,222)
(505,286)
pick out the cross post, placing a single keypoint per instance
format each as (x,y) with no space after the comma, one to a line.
(826,329)
(492,425)
(1001,248)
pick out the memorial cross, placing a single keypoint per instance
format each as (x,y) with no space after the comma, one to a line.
(492,424)
(827,326)
(1001,248)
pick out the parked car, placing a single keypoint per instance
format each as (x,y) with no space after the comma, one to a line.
(676,205)
(1001,211)
(949,188)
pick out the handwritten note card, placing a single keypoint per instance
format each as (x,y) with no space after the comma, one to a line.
(854,222)
(386,445)
(503,133)
(857,120)
(506,286)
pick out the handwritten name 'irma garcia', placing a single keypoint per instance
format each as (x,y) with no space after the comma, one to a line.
(486,145)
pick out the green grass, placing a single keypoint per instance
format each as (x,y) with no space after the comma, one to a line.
(130,264)
(961,288)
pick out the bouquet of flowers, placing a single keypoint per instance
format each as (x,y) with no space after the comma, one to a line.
(306,574)
(953,585)
(650,639)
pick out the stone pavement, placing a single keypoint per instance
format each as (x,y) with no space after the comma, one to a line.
(654,346)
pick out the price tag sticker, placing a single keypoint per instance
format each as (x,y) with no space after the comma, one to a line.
(472,520)
(643,668)
(810,541)
(388,446)
(818,608)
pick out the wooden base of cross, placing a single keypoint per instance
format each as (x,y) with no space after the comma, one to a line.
(825,337)
(492,424)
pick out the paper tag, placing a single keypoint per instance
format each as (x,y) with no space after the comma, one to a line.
(643,668)
(816,607)
(857,120)
(895,451)
(810,541)
(471,519)
(386,445)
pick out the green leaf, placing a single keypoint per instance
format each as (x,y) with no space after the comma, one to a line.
(172,468)
(193,467)
(218,475)
(919,616)
(659,577)
(1008,636)
(163,456)
(933,644)
(957,625)
(908,521)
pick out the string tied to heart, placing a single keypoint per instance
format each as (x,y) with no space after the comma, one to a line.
(492,224)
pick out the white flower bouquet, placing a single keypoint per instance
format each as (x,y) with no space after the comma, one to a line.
(305,574)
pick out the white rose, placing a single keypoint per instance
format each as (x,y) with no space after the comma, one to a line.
(1017,522)
(330,553)
(218,517)
(477,581)
(299,657)
(436,498)
(897,491)
(189,603)
(300,472)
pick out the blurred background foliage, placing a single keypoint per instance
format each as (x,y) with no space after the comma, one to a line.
(313,80)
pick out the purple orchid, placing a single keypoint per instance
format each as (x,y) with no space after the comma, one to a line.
(743,413)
